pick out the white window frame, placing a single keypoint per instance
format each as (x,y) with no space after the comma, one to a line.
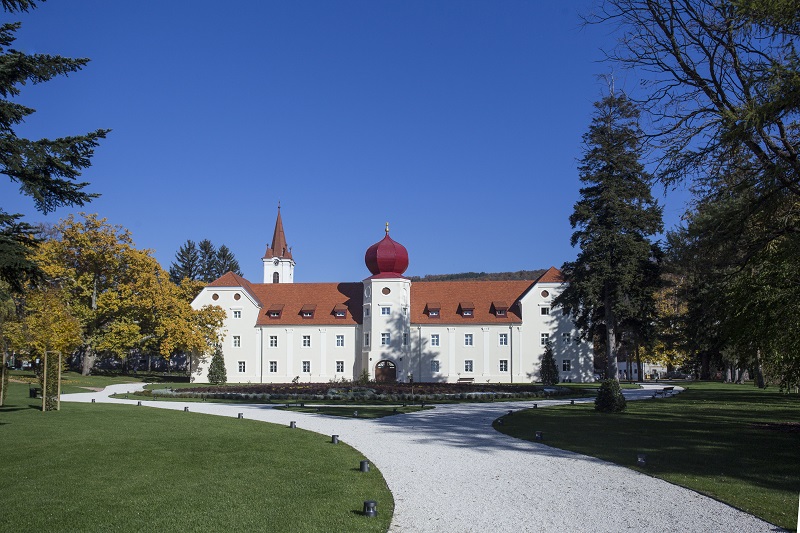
(566,365)
(386,310)
(543,338)
(366,339)
(503,365)
(469,365)
(340,341)
(503,339)
(434,366)
(273,341)
(544,310)
(386,339)
(566,338)
(469,339)
(434,339)
(306,341)
(237,341)
(242,366)
(306,367)
(237,313)
(340,367)
(273,367)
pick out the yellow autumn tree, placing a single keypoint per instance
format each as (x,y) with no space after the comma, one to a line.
(669,347)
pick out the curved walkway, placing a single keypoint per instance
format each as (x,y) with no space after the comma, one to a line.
(449,471)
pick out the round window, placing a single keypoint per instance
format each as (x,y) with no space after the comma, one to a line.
(386,290)
(545,294)
(215,296)
(237,296)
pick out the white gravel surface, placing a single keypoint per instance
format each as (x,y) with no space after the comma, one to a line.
(449,471)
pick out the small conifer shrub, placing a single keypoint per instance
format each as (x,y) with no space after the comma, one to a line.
(216,371)
(609,397)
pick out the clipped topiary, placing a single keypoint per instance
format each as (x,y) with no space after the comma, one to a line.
(609,397)
(216,370)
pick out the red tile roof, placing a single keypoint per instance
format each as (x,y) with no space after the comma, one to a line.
(278,247)
(553,275)
(322,297)
(450,295)
(229,279)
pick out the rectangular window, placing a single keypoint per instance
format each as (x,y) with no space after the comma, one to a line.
(273,366)
(340,366)
(386,338)
(307,341)
(237,341)
(565,338)
(435,339)
(366,339)
(504,339)
(339,340)
(405,311)
(366,311)
(237,314)
(545,310)
(242,366)
(500,312)
(503,365)
(405,339)
(566,365)
(468,365)
(544,338)
(467,339)
(273,341)
(466,312)
(434,366)
(386,311)
(306,366)
(433,313)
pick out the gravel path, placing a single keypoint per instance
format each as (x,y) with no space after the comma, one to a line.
(449,471)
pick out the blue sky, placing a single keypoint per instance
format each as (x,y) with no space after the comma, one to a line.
(458,122)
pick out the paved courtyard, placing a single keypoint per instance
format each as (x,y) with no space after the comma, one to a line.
(449,471)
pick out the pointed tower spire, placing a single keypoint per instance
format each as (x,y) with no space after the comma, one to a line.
(278,261)
(278,247)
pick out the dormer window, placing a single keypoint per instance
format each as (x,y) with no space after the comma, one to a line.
(307,311)
(433,309)
(467,309)
(340,311)
(275,311)
(500,309)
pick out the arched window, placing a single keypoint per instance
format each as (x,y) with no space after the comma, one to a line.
(276,278)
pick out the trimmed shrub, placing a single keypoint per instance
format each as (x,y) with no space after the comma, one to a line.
(609,397)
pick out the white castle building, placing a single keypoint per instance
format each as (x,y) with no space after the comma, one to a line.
(389,327)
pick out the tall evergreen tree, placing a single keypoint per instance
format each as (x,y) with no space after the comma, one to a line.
(217,374)
(186,264)
(549,368)
(208,261)
(612,281)
(226,262)
(45,169)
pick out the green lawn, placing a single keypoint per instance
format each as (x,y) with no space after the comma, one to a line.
(98,467)
(736,443)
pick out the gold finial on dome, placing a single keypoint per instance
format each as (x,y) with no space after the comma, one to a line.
(387,228)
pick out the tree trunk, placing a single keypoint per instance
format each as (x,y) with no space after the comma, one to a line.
(3,379)
(639,367)
(705,365)
(88,361)
(759,382)
(611,339)
(728,373)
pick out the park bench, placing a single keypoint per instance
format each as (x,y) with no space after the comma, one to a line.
(34,392)
(664,391)
(464,381)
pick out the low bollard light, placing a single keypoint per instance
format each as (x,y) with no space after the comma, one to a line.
(572,402)
(364,466)
(510,413)
(139,403)
(335,439)
(241,415)
(641,459)
(292,424)
(92,400)
(355,414)
(371,508)
(539,435)
(499,421)
(186,409)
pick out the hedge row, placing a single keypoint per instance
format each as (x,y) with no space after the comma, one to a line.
(343,396)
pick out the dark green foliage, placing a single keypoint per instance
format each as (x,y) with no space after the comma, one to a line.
(208,261)
(482,276)
(226,262)
(549,367)
(217,374)
(609,397)
(45,169)
(186,264)
(613,279)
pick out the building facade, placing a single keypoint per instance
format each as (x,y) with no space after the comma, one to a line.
(388,328)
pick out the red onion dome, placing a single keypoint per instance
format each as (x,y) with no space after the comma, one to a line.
(386,258)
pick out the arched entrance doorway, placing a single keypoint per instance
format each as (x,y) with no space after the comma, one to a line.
(385,371)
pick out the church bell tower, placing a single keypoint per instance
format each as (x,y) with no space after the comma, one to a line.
(278,262)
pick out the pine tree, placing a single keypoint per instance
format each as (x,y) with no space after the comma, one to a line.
(186,264)
(216,370)
(208,261)
(611,283)
(45,169)
(549,367)
(226,262)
